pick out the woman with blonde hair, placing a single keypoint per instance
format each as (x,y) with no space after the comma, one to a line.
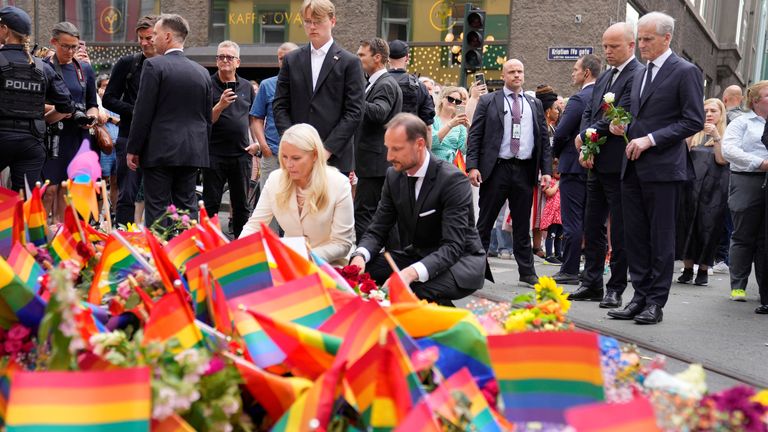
(307,197)
(704,200)
(449,130)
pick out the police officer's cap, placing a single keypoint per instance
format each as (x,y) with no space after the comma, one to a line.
(16,20)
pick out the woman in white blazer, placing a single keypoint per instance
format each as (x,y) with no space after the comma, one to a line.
(307,197)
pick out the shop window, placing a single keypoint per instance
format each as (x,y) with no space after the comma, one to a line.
(107,20)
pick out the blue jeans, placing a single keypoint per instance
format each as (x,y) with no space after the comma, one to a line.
(500,240)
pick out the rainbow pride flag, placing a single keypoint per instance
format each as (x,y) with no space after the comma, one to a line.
(19,233)
(8,199)
(360,324)
(312,410)
(302,301)
(273,392)
(8,368)
(541,374)
(63,245)
(420,419)
(459,162)
(168,272)
(182,248)
(635,415)
(115,265)
(290,264)
(28,307)
(328,269)
(25,267)
(308,352)
(116,400)
(172,423)
(36,219)
(443,401)
(399,291)
(172,318)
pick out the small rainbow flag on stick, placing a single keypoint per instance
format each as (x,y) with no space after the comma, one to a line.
(8,199)
(461,384)
(28,306)
(635,415)
(36,219)
(117,400)
(171,318)
(25,267)
(116,263)
(182,248)
(541,374)
(459,162)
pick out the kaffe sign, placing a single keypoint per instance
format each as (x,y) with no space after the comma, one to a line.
(567,53)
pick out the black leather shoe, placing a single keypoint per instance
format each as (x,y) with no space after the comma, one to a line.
(652,314)
(584,293)
(702,278)
(611,300)
(686,277)
(566,278)
(762,310)
(529,281)
(627,313)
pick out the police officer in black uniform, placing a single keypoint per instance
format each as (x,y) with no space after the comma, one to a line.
(26,83)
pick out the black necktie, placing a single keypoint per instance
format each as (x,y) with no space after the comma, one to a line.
(648,79)
(614,74)
(412,189)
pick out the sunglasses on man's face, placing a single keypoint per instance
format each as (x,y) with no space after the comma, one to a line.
(222,57)
(454,101)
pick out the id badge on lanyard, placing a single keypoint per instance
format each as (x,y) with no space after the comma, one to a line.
(516,131)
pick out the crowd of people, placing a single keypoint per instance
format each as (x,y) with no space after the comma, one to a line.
(683,179)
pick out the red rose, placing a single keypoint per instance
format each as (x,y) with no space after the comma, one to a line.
(12,346)
(367,286)
(594,137)
(18,332)
(364,277)
(2,334)
(605,107)
(29,346)
(350,273)
(84,250)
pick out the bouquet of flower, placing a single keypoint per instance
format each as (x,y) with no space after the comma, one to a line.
(362,283)
(592,144)
(617,115)
(543,310)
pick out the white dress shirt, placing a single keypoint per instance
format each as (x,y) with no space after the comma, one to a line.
(372,79)
(170,50)
(742,145)
(420,268)
(318,57)
(657,64)
(621,68)
(526,128)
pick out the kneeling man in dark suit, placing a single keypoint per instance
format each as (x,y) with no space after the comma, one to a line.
(431,202)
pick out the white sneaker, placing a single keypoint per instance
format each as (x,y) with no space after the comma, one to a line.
(720,267)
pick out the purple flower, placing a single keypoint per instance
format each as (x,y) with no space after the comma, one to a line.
(738,399)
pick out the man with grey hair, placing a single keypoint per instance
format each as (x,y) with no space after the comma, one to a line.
(171,122)
(666,107)
(230,145)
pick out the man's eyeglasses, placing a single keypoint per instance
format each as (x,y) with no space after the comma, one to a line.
(229,58)
(69,47)
(454,101)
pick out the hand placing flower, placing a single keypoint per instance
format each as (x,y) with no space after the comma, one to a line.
(617,115)
(592,144)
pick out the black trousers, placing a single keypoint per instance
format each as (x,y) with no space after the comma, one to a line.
(573,201)
(649,217)
(510,181)
(233,170)
(128,182)
(367,197)
(747,201)
(441,289)
(25,154)
(164,186)
(604,199)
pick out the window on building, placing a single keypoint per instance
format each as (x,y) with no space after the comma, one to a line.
(632,15)
(739,22)
(109,21)
(4,3)
(395,20)
(703,9)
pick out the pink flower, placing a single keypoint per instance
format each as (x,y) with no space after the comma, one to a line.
(18,332)
(12,346)
(124,290)
(185,220)
(215,365)
(171,209)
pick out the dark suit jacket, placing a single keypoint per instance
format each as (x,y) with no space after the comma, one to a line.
(334,108)
(440,231)
(382,102)
(172,119)
(566,131)
(672,109)
(611,156)
(487,130)
(121,92)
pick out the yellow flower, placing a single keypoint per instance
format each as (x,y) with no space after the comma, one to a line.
(132,227)
(761,397)
(518,320)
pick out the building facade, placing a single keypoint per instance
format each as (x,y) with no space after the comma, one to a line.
(726,39)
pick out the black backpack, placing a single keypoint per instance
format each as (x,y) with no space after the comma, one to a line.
(409,85)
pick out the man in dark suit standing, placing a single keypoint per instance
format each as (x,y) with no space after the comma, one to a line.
(431,203)
(119,97)
(383,99)
(171,122)
(508,146)
(666,108)
(573,177)
(604,179)
(322,84)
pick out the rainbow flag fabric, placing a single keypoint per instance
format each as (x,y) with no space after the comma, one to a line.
(171,318)
(420,419)
(28,307)
(116,400)
(26,268)
(542,374)
(172,423)
(182,248)
(443,401)
(635,415)
(8,199)
(459,162)
(302,301)
(115,265)
(312,410)
(36,220)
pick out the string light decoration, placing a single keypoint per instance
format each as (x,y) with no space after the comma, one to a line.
(103,57)
(442,63)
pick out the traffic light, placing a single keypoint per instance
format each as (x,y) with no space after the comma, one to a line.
(474,37)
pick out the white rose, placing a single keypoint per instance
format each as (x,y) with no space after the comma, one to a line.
(609,98)
(590,131)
